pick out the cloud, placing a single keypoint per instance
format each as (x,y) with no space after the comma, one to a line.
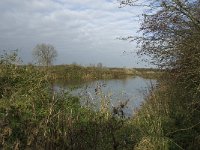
(75,28)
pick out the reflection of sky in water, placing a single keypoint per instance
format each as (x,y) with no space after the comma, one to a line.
(132,89)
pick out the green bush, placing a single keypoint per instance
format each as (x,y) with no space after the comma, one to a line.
(34,116)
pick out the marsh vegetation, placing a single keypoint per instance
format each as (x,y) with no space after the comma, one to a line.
(34,116)
(76,72)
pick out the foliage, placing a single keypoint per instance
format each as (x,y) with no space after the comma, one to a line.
(33,116)
(171,30)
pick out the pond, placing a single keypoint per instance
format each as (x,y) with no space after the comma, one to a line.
(130,91)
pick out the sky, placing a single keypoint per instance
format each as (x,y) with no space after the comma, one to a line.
(82,31)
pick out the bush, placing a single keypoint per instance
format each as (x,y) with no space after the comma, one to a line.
(33,116)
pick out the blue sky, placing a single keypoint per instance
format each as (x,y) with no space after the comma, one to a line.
(82,31)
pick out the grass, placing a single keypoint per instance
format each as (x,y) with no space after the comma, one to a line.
(166,121)
(33,116)
(76,72)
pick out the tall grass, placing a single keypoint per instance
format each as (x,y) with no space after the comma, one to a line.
(32,116)
(77,72)
(166,120)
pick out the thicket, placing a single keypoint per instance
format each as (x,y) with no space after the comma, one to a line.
(33,116)
(170,119)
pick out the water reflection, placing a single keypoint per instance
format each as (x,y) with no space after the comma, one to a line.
(130,90)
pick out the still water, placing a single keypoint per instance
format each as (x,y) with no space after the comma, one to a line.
(130,90)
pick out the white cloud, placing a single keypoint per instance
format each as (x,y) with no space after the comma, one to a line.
(73,26)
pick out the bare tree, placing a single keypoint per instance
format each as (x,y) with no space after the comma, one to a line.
(169,27)
(99,65)
(45,54)
(171,36)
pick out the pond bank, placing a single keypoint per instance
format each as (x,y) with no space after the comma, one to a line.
(76,72)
